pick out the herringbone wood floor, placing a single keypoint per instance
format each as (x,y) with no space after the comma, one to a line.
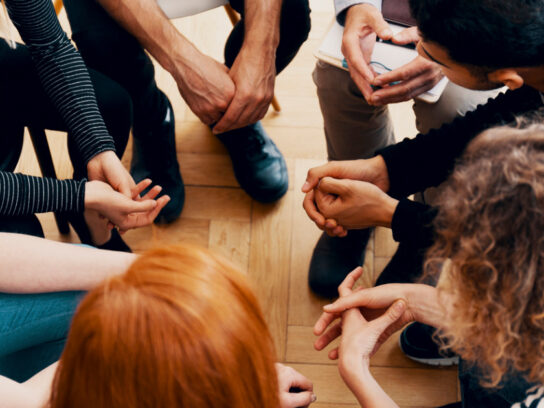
(272,243)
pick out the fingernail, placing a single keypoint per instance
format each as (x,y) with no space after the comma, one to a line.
(400,306)
(327,307)
(376,99)
(314,398)
(305,186)
(377,82)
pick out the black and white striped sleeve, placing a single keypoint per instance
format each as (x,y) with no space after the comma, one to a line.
(535,399)
(63,74)
(24,195)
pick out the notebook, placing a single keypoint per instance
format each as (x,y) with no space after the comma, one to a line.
(385,57)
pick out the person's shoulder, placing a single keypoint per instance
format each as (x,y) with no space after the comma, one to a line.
(535,399)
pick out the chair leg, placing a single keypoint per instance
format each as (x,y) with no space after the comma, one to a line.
(41,147)
(234,18)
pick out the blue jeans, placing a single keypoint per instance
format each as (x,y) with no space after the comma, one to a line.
(33,330)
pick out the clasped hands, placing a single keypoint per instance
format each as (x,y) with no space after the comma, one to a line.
(347,195)
(224,98)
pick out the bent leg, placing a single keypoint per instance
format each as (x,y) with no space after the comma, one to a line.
(294,29)
(33,329)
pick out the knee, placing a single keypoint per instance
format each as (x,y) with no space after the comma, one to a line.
(296,22)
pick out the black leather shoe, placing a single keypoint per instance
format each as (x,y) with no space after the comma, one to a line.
(334,258)
(258,165)
(154,156)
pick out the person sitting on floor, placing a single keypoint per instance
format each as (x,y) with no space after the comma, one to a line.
(180,328)
(488,306)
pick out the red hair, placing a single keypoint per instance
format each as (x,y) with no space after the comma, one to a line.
(181,328)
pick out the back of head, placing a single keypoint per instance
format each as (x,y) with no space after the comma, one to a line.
(485,33)
(490,237)
(181,328)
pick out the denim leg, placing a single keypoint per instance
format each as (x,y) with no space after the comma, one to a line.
(33,329)
(294,29)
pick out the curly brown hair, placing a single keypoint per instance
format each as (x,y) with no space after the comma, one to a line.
(490,244)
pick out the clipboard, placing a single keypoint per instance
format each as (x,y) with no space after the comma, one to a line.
(386,57)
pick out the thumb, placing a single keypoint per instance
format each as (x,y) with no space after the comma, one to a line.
(300,399)
(391,316)
(376,21)
(331,185)
(407,36)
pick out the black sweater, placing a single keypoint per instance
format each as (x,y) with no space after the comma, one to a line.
(66,81)
(428,159)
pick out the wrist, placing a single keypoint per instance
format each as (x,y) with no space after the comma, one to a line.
(91,195)
(388,208)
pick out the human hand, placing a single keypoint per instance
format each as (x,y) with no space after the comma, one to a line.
(289,378)
(206,86)
(373,170)
(408,81)
(363,23)
(107,167)
(354,204)
(361,336)
(371,303)
(254,77)
(125,213)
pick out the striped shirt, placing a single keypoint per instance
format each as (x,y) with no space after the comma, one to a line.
(66,81)
(535,399)
(25,195)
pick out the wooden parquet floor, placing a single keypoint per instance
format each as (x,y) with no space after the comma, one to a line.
(272,243)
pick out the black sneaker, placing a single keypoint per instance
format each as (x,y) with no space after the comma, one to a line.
(334,258)
(154,156)
(258,165)
(416,341)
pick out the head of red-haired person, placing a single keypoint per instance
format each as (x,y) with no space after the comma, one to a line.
(181,328)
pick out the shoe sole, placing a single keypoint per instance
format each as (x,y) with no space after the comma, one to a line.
(435,362)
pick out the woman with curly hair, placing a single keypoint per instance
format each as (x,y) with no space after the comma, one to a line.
(488,305)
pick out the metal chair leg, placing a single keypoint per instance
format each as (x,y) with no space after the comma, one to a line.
(41,147)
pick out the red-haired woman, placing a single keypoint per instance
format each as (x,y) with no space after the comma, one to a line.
(488,305)
(181,328)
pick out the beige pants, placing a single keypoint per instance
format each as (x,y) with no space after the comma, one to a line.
(355,130)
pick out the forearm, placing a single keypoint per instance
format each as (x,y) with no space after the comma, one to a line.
(425,161)
(262,26)
(368,392)
(145,20)
(34,265)
(425,304)
(34,393)
(63,74)
(342,6)
(22,195)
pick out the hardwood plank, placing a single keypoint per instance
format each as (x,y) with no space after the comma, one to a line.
(231,239)
(217,203)
(300,349)
(304,306)
(182,230)
(269,261)
(406,386)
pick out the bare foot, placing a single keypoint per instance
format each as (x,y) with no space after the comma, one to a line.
(98,227)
